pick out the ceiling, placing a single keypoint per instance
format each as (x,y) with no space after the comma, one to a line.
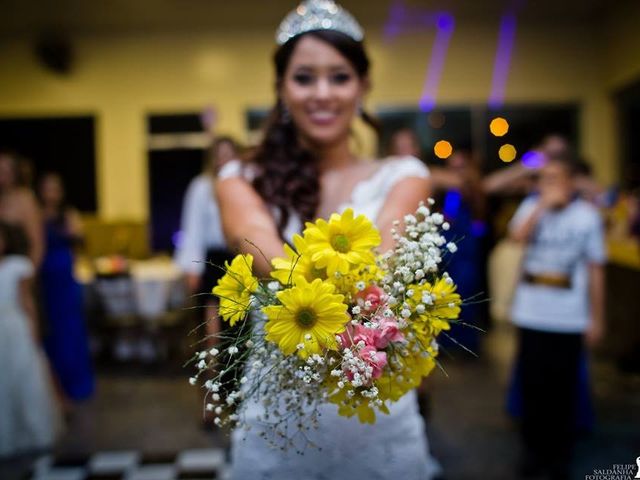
(29,17)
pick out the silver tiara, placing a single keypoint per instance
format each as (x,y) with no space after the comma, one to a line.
(318,15)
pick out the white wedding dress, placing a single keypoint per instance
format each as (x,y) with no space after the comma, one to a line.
(395,447)
(28,415)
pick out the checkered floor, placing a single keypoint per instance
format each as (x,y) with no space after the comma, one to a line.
(132,465)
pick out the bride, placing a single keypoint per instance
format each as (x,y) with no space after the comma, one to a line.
(304,169)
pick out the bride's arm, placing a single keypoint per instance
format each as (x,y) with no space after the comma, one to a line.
(403,199)
(246,218)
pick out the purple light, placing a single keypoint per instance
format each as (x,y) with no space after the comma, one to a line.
(445,25)
(397,16)
(403,20)
(445,22)
(503,59)
(533,159)
(426,104)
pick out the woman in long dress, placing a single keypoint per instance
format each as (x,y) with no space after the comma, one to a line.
(28,415)
(305,169)
(66,340)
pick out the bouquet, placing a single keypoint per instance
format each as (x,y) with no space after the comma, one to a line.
(337,323)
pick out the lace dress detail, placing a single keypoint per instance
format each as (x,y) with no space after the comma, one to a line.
(396,446)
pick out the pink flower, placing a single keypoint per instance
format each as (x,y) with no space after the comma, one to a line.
(388,332)
(355,334)
(372,294)
(369,353)
(377,360)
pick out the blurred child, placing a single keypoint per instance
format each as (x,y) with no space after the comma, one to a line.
(558,305)
(28,415)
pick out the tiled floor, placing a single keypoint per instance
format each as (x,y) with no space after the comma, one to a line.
(206,463)
(157,415)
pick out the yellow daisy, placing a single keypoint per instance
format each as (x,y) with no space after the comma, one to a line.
(296,265)
(341,242)
(444,306)
(311,314)
(446,302)
(348,406)
(235,288)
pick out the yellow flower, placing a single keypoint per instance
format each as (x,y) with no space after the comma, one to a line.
(348,406)
(297,265)
(446,302)
(366,275)
(235,288)
(444,306)
(341,242)
(311,314)
(393,386)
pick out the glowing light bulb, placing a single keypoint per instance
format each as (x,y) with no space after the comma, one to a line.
(499,127)
(442,149)
(507,153)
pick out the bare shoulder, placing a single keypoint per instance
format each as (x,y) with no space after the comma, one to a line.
(21,200)
(234,188)
(407,164)
(234,169)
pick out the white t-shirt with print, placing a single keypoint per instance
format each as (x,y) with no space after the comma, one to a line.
(563,242)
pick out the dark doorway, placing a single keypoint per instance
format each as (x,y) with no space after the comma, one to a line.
(60,144)
(176,154)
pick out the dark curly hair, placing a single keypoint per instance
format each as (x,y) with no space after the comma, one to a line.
(288,176)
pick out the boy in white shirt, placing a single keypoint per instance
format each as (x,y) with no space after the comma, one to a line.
(558,305)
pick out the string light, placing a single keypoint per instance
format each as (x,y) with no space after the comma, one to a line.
(442,149)
(507,153)
(499,127)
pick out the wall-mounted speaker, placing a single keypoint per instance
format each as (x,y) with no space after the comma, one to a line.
(55,54)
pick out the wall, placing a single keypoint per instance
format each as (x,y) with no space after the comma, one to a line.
(622,43)
(122,78)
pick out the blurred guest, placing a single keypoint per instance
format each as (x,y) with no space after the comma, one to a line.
(465,195)
(26,172)
(28,416)
(555,145)
(66,339)
(202,252)
(557,306)
(519,178)
(587,187)
(404,142)
(463,205)
(18,205)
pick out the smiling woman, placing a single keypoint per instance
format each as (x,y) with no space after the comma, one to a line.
(305,169)
(321,79)
(321,90)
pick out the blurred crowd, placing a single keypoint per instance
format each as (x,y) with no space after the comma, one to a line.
(45,348)
(535,223)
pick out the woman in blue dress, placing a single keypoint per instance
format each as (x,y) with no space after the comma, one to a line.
(66,341)
(463,205)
